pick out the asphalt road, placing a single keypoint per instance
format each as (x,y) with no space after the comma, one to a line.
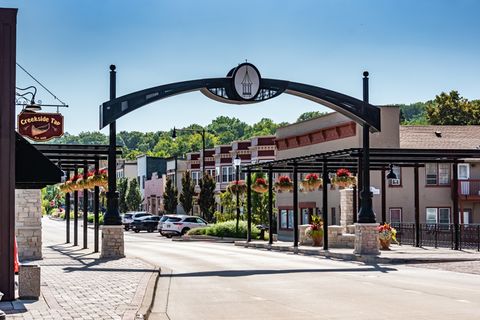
(202,280)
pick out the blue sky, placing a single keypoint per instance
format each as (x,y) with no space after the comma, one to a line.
(412,49)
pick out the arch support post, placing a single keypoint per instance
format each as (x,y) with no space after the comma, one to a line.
(366,233)
(112,231)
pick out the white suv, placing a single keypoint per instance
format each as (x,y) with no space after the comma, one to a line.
(178,225)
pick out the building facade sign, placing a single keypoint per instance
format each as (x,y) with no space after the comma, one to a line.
(40,126)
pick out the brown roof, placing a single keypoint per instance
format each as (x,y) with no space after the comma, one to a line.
(440,137)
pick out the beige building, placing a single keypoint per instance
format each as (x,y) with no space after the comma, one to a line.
(334,132)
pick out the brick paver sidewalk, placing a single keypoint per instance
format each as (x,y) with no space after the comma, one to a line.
(76,284)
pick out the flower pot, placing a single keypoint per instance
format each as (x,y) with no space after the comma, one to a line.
(260,188)
(311,186)
(284,188)
(385,244)
(317,240)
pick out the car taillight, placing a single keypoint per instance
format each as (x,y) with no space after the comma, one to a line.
(177,223)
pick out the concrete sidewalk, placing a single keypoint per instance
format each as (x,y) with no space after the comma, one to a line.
(397,255)
(77,284)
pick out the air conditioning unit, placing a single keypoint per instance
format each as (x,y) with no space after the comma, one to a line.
(395,182)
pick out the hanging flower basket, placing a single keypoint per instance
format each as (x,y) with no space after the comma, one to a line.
(89,183)
(74,185)
(284,184)
(237,186)
(260,185)
(311,183)
(344,178)
(100,179)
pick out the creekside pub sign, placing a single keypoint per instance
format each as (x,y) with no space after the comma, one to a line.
(40,126)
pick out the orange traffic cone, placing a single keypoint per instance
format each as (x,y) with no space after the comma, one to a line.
(15,256)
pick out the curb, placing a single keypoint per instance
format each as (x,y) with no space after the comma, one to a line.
(149,297)
(369,259)
(208,238)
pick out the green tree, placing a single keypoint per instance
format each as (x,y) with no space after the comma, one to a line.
(228,129)
(262,128)
(310,115)
(206,199)
(170,197)
(412,112)
(260,203)
(134,199)
(188,191)
(122,185)
(452,109)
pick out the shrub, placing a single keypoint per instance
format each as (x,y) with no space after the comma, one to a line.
(228,229)
(197,231)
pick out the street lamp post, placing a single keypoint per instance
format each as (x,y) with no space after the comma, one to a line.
(236,162)
(202,133)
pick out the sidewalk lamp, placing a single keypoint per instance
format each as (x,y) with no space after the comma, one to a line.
(236,162)
(391,175)
(202,132)
(32,106)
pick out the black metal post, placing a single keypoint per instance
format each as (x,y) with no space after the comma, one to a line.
(355,205)
(67,211)
(249,205)
(325,204)
(203,157)
(295,205)
(366,214)
(270,205)
(359,187)
(75,212)
(8,31)
(456,217)
(237,177)
(96,205)
(416,190)
(175,187)
(85,208)
(384,197)
(112,216)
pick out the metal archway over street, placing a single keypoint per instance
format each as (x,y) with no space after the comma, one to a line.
(243,85)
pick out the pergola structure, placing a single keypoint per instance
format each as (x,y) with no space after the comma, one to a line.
(380,160)
(70,158)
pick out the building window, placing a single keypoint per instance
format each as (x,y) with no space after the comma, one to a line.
(143,182)
(211,172)
(437,174)
(227,174)
(395,215)
(195,177)
(398,181)
(286,219)
(438,215)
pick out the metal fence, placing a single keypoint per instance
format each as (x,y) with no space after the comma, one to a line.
(439,235)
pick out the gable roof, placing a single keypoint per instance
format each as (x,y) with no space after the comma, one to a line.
(440,137)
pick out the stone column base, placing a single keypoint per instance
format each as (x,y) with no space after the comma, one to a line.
(112,242)
(366,239)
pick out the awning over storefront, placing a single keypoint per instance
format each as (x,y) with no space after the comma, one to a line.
(33,170)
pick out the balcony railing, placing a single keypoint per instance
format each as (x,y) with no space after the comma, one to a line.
(439,235)
(469,188)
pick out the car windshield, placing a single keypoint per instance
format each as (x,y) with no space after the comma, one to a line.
(173,219)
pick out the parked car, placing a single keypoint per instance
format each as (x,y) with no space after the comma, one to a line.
(128,218)
(147,223)
(179,225)
(162,221)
